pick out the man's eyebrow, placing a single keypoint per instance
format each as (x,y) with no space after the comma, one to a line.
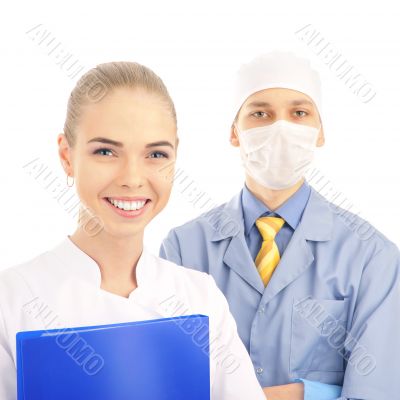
(258,104)
(119,144)
(301,102)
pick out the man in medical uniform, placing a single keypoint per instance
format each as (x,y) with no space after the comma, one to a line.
(314,288)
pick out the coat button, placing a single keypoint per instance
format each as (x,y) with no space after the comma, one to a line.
(259,370)
(261,310)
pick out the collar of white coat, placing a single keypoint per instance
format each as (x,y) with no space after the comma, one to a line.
(316,223)
(85,267)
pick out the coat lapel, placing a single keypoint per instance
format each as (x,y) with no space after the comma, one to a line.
(238,258)
(295,260)
(229,230)
(315,225)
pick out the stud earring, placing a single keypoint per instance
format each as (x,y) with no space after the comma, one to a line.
(72,184)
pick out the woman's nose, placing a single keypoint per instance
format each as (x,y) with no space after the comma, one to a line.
(132,174)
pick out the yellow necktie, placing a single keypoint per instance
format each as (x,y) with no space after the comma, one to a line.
(268,257)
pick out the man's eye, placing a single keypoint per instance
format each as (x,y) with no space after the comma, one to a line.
(260,114)
(158,154)
(102,150)
(301,113)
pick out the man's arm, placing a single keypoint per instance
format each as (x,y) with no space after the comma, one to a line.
(372,346)
(303,389)
(292,391)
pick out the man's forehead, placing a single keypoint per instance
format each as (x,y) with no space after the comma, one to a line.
(274,96)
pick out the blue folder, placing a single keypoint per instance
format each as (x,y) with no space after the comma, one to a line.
(162,359)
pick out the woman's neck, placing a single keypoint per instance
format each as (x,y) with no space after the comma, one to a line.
(116,257)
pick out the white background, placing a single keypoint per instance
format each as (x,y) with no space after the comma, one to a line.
(196,47)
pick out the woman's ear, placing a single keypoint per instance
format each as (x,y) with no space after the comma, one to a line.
(234,139)
(64,154)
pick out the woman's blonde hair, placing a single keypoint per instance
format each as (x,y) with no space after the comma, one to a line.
(101,80)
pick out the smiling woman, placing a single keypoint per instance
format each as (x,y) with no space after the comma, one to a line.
(127,107)
(119,144)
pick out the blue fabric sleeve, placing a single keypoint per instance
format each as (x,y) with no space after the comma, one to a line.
(319,391)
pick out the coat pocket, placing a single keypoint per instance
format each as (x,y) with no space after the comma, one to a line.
(318,335)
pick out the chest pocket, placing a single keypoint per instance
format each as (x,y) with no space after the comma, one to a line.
(318,335)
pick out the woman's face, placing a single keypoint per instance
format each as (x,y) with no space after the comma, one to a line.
(125,151)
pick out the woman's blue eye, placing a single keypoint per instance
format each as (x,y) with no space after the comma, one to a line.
(158,154)
(99,150)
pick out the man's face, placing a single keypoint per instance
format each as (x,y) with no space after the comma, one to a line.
(270,105)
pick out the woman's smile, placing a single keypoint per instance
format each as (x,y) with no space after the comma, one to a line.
(128,208)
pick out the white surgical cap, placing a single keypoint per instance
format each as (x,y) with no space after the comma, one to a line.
(276,70)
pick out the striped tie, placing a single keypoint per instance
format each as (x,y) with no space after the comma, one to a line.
(268,257)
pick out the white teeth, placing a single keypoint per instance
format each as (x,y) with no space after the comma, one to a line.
(127,205)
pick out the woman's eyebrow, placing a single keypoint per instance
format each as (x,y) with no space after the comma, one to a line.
(107,141)
(119,144)
(161,143)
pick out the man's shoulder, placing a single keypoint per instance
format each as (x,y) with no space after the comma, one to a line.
(350,227)
(219,218)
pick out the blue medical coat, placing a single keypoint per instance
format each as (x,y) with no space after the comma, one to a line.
(331,311)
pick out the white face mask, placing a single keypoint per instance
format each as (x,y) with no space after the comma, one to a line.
(277,155)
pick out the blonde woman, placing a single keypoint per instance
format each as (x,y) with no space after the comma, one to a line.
(119,147)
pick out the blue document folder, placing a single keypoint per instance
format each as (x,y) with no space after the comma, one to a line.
(163,359)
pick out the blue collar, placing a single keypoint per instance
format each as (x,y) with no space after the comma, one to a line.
(291,210)
(316,224)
